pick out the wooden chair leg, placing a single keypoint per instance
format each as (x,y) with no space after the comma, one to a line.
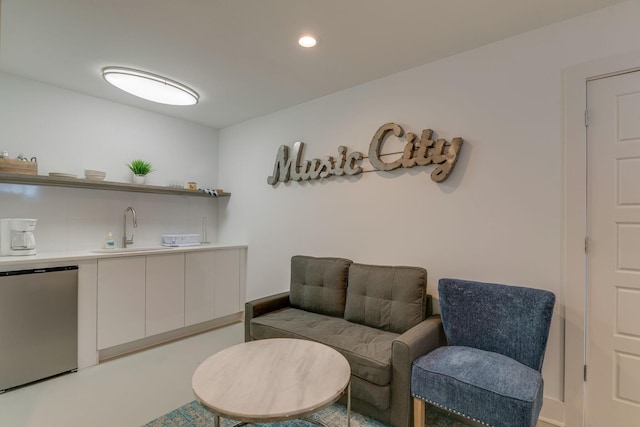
(418,412)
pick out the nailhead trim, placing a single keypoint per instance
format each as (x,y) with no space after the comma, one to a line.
(451,410)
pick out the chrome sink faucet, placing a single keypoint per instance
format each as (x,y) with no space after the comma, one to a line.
(126,241)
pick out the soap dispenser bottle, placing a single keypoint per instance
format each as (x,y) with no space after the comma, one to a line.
(109,242)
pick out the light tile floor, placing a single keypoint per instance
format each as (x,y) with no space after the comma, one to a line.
(128,391)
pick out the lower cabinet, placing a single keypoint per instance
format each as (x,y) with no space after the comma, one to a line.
(165,293)
(212,285)
(226,279)
(142,296)
(199,287)
(121,300)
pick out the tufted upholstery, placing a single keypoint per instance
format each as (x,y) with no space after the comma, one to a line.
(319,284)
(377,317)
(384,297)
(368,350)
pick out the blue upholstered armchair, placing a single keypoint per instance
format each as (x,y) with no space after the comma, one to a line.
(490,371)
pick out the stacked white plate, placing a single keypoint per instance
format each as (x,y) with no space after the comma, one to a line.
(61,175)
(92,175)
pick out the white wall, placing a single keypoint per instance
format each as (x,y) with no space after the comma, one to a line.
(69,132)
(499,215)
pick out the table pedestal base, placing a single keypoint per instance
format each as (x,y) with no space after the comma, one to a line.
(307,419)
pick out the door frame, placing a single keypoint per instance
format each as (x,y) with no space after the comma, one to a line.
(575,221)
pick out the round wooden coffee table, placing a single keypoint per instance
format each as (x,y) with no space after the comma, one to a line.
(272,380)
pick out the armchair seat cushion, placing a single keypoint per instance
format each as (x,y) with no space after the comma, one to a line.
(368,350)
(479,384)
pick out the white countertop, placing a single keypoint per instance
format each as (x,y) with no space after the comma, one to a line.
(76,256)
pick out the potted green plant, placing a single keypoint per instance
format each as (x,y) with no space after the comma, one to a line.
(140,169)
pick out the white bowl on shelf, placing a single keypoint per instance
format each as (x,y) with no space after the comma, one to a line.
(94,175)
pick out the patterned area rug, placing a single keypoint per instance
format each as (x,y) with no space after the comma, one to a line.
(195,415)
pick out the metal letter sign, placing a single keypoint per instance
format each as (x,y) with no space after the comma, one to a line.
(417,152)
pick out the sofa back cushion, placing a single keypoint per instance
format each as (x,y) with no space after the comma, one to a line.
(319,284)
(389,298)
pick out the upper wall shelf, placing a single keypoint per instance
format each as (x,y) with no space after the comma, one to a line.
(14,178)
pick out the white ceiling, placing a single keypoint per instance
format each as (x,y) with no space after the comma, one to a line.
(242,55)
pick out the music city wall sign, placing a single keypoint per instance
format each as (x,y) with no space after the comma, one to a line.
(417,152)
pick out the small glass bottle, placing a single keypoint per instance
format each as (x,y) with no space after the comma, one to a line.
(109,242)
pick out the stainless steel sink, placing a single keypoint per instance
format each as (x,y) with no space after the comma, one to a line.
(125,250)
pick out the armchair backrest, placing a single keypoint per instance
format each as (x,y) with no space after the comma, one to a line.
(510,320)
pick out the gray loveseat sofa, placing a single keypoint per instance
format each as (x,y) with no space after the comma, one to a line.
(378,317)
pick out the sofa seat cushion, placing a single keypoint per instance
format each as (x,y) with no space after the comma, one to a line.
(368,350)
(479,384)
(376,395)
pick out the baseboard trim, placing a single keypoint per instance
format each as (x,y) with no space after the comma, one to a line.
(552,414)
(166,337)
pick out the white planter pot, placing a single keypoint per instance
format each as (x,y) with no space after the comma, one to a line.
(139,179)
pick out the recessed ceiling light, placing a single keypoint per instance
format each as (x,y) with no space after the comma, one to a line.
(307,40)
(150,86)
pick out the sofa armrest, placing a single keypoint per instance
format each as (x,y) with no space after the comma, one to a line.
(421,339)
(258,307)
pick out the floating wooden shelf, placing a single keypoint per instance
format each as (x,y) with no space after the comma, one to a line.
(14,178)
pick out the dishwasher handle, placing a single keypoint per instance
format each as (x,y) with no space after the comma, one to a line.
(37,270)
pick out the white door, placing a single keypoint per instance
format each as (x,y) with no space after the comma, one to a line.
(613,260)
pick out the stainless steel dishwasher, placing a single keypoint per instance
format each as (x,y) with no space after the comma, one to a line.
(38,324)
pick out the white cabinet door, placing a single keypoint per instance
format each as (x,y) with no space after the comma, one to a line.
(213,284)
(199,286)
(165,293)
(226,275)
(142,296)
(121,300)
